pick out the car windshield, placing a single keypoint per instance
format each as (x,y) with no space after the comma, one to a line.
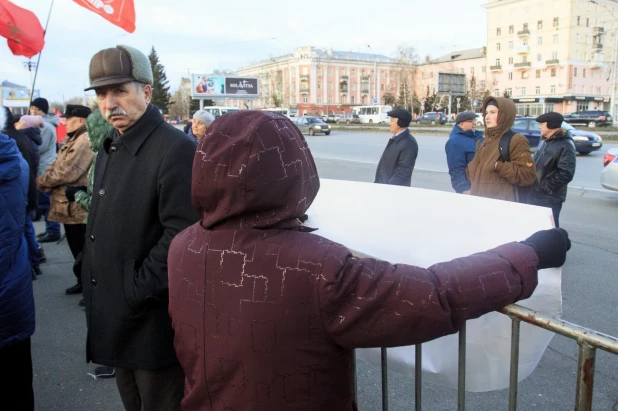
(313,120)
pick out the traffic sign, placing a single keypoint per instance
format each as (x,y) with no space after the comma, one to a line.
(375,100)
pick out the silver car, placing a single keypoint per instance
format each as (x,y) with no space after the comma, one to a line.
(609,175)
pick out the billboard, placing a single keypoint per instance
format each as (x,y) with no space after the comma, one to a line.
(451,83)
(17,97)
(219,86)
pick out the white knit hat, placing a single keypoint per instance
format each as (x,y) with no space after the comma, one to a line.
(204,116)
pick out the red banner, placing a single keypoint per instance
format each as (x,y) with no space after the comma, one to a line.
(22,29)
(118,12)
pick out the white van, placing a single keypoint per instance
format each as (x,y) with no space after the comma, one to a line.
(218,111)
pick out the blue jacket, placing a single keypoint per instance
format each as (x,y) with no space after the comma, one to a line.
(460,149)
(16,298)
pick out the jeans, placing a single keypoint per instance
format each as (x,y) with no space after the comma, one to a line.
(51,227)
(33,245)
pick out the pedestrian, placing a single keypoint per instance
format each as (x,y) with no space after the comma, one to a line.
(267,314)
(16,298)
(398,159)
(490,174)
(142,187)
(26,149)
(71,167)
(554,160)
(460,148)
(202,119)
(40,107)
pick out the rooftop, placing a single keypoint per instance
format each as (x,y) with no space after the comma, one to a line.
(461,55)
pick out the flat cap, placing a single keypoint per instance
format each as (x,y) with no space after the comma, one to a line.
(553,119)
(76,110)
(465,116)
(401,113)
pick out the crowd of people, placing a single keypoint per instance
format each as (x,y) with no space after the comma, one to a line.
(202,288)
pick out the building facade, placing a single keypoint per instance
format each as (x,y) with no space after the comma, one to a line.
(552,54)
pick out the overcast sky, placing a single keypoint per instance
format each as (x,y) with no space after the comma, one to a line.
(201,36)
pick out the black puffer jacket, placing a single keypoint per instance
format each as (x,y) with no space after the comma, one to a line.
(555,167)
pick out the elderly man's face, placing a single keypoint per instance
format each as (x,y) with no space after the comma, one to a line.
(73,123)
(468,125)
(123,104)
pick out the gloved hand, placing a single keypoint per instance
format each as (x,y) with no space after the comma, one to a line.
(551,247)
(71,190)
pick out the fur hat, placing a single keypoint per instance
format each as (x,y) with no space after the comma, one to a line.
(119,65)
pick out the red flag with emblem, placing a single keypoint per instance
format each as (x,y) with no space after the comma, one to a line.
(22,29)
(118,12)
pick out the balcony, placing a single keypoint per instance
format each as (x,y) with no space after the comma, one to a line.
(345,77)
(304,89)
(343,90)
(597,47)
(304,76)
(598,31)
(365,90)
(596,61)
(366,78)
(523,33)
(523,49)
(552,62)
(495,68)
(523,64)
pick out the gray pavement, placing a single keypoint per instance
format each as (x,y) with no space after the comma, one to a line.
(589,290)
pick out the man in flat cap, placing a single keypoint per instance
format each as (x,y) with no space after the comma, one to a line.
(70,167)
(554,160)
(141,200)
(397,161)
(460,148)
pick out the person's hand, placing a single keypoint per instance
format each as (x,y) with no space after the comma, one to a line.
(551,247)
(72,190)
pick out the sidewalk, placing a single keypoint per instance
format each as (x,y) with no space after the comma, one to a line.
(61,380)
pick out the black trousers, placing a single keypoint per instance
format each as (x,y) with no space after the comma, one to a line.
(16,392)
(76,234)
(556,208)
(157,390)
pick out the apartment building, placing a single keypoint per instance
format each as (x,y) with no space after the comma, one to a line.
(552,54)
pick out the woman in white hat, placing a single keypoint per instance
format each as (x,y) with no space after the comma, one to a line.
(201,121)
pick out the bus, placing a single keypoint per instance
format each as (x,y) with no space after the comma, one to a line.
(288,112)
(218,111)
(375,114)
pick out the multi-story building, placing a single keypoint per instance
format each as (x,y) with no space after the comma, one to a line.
(552,54)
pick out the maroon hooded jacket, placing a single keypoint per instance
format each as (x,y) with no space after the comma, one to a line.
(266,314)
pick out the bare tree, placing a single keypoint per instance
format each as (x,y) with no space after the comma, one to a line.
(56,105)
(407,62)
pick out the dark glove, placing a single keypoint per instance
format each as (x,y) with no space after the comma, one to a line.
(551,247)
(71,190)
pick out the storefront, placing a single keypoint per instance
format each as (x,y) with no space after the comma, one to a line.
(567,104)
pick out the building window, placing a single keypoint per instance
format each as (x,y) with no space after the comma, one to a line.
(319,71)
(363,73)
(510,44)
(344,100)
(538,57)
(555,39)
(319,99)
(523,91)
(352,100)
(483,84)
(330,99)
(575,72)
(498,62)
(353,72)
(537,90)
(471,70)
(511,76)
(578,18)
(556,21)
(319,86)
(462,71)
(304,99)
(511,29)
(330,85)
(524,59)
(554,55)
(343,71)
(525,26)
(524,75)
(587,21)
(353,86)
(498,31)
(553,72)
(431,74)
(496,93)
(576,54)
(483,69)
(598,90)
(330,71)
(382,87)
(576,37)
(552,90)
(509,92)
(539,40)
(538,74)
(539,24)
(584,73)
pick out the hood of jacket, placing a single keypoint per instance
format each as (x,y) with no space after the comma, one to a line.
(33,134)
(10,167)
(52,119)
(98,129)
(253,169)
(506,116)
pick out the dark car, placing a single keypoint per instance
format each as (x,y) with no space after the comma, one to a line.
(585,141)
(432,117)
(590,118)
(312,125)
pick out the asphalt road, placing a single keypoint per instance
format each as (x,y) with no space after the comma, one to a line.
(590,282)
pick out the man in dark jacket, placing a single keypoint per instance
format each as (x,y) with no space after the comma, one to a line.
(267,314)
(397,161)
(460,148)
(554,160)
(142,186)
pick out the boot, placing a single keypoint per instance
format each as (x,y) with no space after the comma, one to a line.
(76,289)
(33,275)
(37,270)
(42,257)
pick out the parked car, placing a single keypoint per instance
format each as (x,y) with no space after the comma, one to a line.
(348,119)
(590,118)
(609,175)
(585,141)
(432,117)
(480,120)
(331,118)
(312,125)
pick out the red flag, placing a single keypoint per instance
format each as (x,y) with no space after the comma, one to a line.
(118,12)
(24,33)
(61,130)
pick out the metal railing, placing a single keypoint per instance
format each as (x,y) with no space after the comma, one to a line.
(589,341)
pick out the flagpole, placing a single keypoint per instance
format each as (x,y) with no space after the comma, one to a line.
(36,70)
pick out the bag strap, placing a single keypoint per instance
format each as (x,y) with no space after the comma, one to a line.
(505,142)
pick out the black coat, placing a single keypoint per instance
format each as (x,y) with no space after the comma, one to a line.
(141,200)
(555,167)
(397,161)
(25,148)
